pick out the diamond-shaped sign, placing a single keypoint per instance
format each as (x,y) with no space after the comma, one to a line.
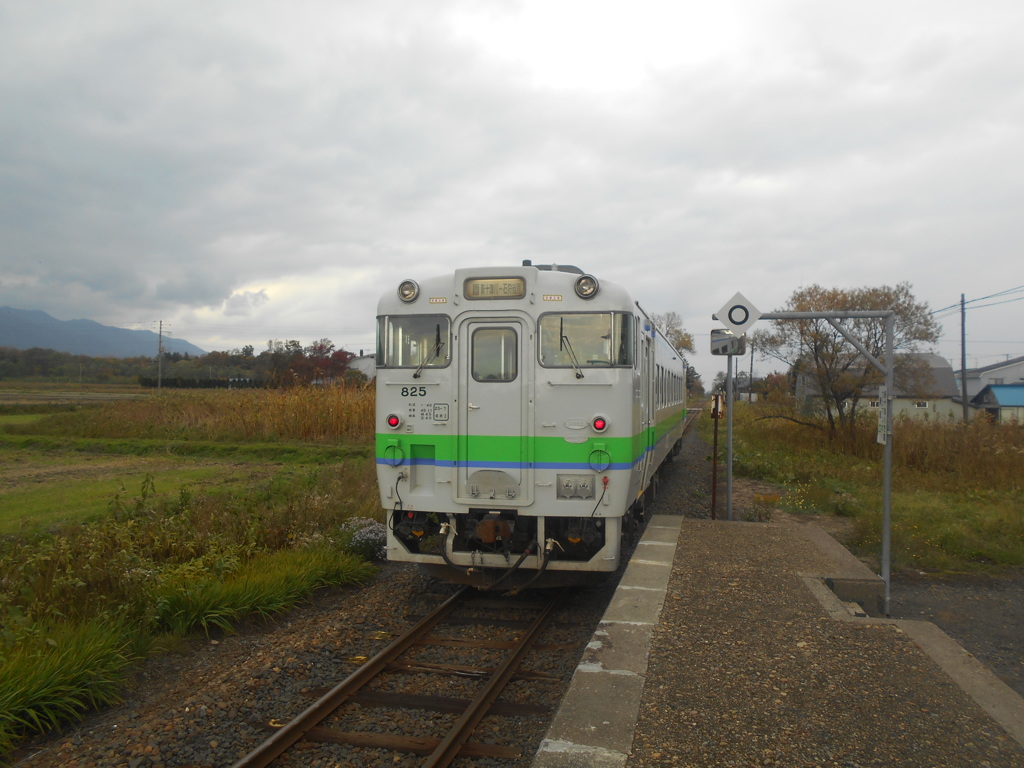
(738,314)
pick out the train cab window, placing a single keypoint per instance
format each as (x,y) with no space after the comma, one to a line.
(414,341)
(586,339)
(495,354)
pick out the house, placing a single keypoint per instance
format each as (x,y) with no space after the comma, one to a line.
(1004,403)
(931,396)
(1007,372)
(365,364)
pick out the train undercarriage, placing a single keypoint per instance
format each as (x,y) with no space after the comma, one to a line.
(502,549)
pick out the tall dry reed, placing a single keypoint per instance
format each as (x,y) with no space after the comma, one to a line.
(308,414)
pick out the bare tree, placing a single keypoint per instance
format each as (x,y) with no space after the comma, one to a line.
(815,349)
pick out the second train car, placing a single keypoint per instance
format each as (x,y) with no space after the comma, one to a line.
(522,416)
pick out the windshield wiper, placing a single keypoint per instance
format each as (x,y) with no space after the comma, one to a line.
(434,353)
(566,345)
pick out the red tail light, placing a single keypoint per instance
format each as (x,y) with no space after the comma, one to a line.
(394,421)
(600,424)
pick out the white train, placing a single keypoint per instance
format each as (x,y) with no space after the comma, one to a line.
(522,416)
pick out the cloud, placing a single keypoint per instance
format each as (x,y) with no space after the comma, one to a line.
(245,303)
(252,170)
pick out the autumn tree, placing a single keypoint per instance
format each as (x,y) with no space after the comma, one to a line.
(670,325)
(816,349)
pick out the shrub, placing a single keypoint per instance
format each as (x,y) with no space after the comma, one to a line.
(263,587)
(366,538)
(47,677)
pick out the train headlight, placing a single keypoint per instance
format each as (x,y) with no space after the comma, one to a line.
(587,286)
(394,420)
(600,423)
(408,291)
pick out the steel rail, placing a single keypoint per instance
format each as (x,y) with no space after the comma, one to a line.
(449,747)
(315,713)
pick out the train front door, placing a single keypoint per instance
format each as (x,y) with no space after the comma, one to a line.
(494,389)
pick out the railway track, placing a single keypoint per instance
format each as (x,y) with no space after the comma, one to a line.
(480,642)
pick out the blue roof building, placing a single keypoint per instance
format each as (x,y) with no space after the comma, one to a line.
(1004,402)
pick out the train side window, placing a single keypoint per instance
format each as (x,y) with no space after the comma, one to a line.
(495,354)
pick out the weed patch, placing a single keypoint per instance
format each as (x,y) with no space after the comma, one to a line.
(47,678)
(958,496)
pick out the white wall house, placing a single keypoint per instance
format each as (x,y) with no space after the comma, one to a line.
(934,398)
(1007,372)
(365,364)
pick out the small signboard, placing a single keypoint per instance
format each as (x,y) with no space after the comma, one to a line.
(725,342)
(883,415)
(718,406)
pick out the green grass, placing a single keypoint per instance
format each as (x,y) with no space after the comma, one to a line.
(19,419)
(46,682)
(262,588)
(58,485)
(295,452)
(76,498)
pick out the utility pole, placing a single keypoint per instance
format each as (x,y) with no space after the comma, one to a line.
(160,359)
(729,401)
(750,378)
(963,356)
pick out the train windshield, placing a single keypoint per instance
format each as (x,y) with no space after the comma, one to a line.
(586,339)
(414,341)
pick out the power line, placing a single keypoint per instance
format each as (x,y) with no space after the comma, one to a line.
(996,303)
(958,305)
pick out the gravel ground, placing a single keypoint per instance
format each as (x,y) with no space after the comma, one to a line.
(747,671)
(984,614)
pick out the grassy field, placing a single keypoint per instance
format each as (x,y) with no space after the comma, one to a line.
(127,518)
(958,491)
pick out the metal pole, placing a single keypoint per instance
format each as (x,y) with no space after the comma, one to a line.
(750,378)
(714,467)
(890,390)
(963,357)
(160,359)
(728,440)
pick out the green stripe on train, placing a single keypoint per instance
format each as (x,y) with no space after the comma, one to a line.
(516,448)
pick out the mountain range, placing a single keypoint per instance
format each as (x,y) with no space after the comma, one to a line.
(28,328)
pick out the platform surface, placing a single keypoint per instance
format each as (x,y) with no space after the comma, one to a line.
(725,646)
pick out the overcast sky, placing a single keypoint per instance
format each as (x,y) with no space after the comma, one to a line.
(253,170)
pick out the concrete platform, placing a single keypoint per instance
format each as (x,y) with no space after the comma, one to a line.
(793,578)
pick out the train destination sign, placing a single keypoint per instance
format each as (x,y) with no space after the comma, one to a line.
(494,288)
